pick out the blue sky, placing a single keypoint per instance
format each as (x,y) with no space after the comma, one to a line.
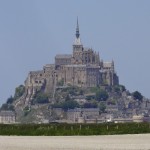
(32,32)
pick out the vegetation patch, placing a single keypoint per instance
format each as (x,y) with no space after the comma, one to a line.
(41,98)
(74,129)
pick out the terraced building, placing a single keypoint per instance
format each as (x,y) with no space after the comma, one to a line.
(83,68)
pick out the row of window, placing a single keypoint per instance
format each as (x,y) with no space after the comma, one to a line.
(63,61)
(7,119)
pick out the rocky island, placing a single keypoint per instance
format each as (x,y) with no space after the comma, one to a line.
(78,88)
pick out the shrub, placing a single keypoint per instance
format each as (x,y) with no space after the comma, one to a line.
(102,107)
(137,95)
(61,82)
(111,102)
(57,105)
(7,107)
(94,89)
(19,91)
(90,105)
(101,95)
(41,98)
(67,98)
(119,88)
(123,88)
(90,97)
(10,100)
(71,104)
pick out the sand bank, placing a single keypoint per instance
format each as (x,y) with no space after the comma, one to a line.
(109,142)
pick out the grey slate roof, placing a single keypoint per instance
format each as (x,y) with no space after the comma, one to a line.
(7,113)
(107,64)
(64,56)
(84,109)
(74,65)
(87,49)
(49,65)
(36,72)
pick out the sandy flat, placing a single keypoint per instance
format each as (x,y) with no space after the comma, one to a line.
(108,142)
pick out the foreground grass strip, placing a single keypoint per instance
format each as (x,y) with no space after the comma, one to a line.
(74,129)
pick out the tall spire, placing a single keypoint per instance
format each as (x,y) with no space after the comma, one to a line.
(77,30)
(77,39)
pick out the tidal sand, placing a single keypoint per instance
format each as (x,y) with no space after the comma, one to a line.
(107,142)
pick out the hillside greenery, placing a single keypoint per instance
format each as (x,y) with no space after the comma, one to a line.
(101,95)
(67,97)
(41,98)
(7,107)
(69,104)
(19,91)
(95,93)
(137,95)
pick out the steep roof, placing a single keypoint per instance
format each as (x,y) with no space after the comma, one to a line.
(107,64)
(63,56)
(7,113)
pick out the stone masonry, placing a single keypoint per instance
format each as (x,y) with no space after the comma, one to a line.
(82,68)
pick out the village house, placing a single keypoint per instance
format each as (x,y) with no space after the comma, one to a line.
(7,117)
(79,115)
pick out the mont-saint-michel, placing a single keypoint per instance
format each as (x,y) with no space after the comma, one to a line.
(78,88)
(82,68)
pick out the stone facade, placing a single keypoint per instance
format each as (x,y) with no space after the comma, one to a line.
(82,68)
(7,117)
(79,115)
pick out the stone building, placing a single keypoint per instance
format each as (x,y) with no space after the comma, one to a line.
(7,117)
(82,68)
(79,115)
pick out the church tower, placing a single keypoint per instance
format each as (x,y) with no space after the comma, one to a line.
(77,47)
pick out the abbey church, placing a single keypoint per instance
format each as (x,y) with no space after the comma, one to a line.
(83,68)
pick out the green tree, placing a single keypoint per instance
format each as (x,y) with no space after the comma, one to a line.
(101,95)
(90,105)
(117,88)
(61,82)
(81,92)
(90,97)
(111,102)
(10,100)
(7,107)
(94,89)
(41,98)
(19,91)
(102,107)
(137,95)
(71,104)
(67,98)
(72,90)
(56,105)
(123,88)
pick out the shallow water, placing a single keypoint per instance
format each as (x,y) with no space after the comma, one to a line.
(109,142)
